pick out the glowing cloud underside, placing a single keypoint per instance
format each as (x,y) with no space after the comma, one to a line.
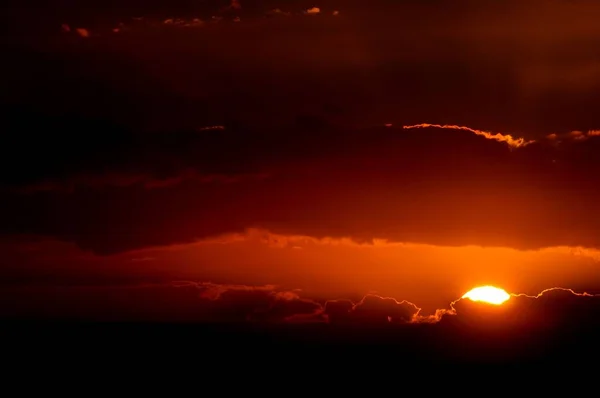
(487,294)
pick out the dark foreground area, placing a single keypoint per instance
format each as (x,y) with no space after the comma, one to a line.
(247,349)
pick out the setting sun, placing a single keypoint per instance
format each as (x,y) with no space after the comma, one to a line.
(487,294)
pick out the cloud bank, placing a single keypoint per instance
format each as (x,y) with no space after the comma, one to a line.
(442,186)
(187,301)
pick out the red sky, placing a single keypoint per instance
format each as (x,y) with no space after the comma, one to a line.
(111,183)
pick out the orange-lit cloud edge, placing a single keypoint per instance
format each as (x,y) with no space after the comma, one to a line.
(510,139)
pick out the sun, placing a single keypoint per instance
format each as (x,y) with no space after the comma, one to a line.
(487,294)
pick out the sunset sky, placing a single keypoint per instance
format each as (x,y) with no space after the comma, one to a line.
(213,172)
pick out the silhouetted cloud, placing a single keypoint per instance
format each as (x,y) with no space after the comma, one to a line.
(252,303)
(552,309)
(371,310)
(178,301)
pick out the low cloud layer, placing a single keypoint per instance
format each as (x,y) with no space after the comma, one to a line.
(371,310)
(182,301)
(253,303)
(554,309)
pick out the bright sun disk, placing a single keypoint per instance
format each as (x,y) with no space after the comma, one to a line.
(487,294)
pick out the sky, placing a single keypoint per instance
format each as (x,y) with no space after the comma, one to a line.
(385,158)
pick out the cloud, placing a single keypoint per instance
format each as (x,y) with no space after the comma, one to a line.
(176,302)
(439,186)
(124,180)
(507,138)
(552,309)
(253,303)
(228,13)
(575,135)
(371,310)
(203,302)
(83,32)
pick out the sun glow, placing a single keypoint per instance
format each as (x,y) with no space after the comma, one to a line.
(487,294)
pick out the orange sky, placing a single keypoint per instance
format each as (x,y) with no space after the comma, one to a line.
(429,276)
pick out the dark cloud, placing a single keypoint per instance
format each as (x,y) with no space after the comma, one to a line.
(553,309)
(426,185)
(177,302)
(371,310)
(248,303)
(338,311)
